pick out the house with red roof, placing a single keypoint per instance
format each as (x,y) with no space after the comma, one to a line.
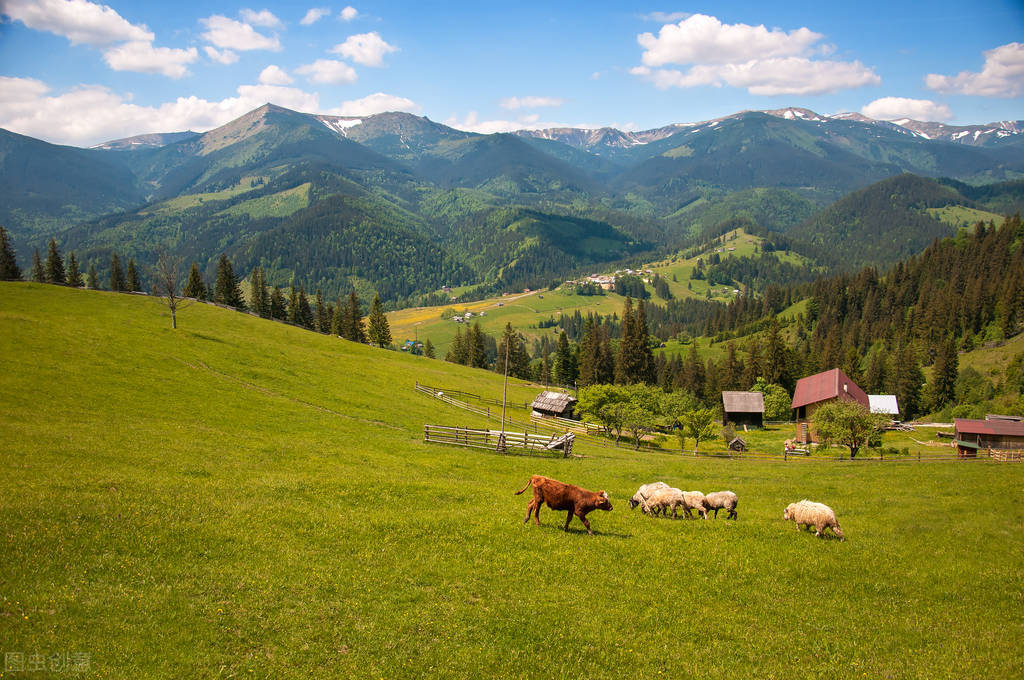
(971,436)
(813,391)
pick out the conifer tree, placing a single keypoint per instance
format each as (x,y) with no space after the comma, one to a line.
(54,270)
(294,316)
(876,376)
(9,270)
(589,351)
(117,280)
(752,370)
(337,318)
(565,363)
(277,305)
(775,354)
(944,373)
(304,315)
(352,320)
(476,350)
(227,291)
(195,288)
(647,372)
(545,369)
(132,282)
(605,358)
(322,314)
(630,361)
(457,350)
(732,370)
(379,331)
(92,279)
(428,349)
(259,298)
(906,379)
(74,274)
(38,273)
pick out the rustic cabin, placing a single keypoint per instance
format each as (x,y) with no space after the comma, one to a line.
(970,436)
(743,409)
(553,404)
(813,391)
(885,404)
(738,444)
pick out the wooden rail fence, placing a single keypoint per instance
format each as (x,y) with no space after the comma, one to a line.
(496,440)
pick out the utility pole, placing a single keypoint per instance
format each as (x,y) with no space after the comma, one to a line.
(504,397)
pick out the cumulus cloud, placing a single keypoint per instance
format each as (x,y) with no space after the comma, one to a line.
(892,108)
(367,49)
(349,13)
(329,72)
(144,58)
(221,56)
(1001,76)
(225,32)
(274,75)
(765,62)
(314,15)
(513,103)
(79,21)
(93,114)
(263,18)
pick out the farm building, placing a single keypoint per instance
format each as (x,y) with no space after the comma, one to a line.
(885,404)
(551,404)
(813,391)
(970,436)
(743,408)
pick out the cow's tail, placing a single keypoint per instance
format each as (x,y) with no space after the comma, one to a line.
(524,488)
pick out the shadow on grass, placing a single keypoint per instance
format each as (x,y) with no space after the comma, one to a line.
(579,531)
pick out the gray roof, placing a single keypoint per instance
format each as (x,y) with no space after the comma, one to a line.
(555,402)
(743,402)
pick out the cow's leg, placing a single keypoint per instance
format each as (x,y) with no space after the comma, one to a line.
(586,523)
(529,510)
(536,513)
(568,518)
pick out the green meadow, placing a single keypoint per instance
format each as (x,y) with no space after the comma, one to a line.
(241,498)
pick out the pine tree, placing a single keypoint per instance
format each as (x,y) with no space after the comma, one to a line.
(428,350)
(259,298)
(304,314)
(457,350)
(277,305)
(605,359)
(752,370)
(476,350)
(323,317)
(352,320)
(732,370)
(92,279)
(944,373)
(294,316)
(905,381)
(590,349)
(195,288)
(74,274)
(775,354)
(647,373)
(876,376)
(379,332)
(629,362)
(117,280)
(227,291)
(337,318)
(55,265)
(38,274)
(545,370)
(132,277)
(9,270)
(565,364)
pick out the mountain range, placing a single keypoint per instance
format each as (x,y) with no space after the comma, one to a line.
(400,205)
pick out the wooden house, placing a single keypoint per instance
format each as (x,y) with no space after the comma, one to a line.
(970,436)
(813,391)
(743,409)
(551,404)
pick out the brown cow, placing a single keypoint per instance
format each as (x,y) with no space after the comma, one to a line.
(561,496)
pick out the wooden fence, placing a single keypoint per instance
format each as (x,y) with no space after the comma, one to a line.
(1007,456)
(497,440)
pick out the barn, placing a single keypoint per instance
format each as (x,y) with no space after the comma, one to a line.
(885,404)
(970,436)
(743,409)
(813,391)
(553,404)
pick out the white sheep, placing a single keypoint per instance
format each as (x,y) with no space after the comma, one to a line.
(818,515)
(722,500)
(694,500)
(640,497)
(661,499)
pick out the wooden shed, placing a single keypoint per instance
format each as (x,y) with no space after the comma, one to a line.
(550,404)
(813,391)
(998,435)
(743,408)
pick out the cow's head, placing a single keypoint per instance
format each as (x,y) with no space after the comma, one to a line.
(603,502)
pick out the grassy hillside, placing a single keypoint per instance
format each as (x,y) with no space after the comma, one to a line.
(242,498)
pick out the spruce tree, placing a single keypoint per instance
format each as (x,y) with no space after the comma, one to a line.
(428,350)
(9,270)
(379,331)
(544,377)
(74,274)
(117,280)
(589,349)
(732,370)
(627,364)
(277,305)
(605,374)
(294,316)
(457,350)
(322,316)
(92,279)
(337,318)
(775,354)
(647,373)
(259,298)
(565,364)
(476,350)
(38,273)
(195,288)
(304,315)
(227,291)
(944,373)
(55,265)
(905,381)
(352,320)
(876,376)
(132,277)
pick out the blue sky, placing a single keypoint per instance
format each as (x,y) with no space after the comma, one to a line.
(80,72)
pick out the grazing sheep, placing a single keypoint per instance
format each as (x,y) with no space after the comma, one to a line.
(818,515)
(722,500)
(640,497)
(661,499)
(694,500)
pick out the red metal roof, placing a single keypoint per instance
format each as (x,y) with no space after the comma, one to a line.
(828,385)
(998,428)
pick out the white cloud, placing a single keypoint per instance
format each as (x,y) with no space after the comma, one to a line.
(225,32)
(79,21)
(144,58)
(92,114)
(666,17)
(349,13)
(263,18)
(367,49)
(472,123)
(513,103)
(892,108)
(221,56)
(314,15)
(328,71)
(1001,76)
(374,103)
(275,75)
(765,62)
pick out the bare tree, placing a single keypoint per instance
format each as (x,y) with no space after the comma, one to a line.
(167,275)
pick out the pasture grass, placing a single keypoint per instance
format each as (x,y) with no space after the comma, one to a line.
(241,498)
